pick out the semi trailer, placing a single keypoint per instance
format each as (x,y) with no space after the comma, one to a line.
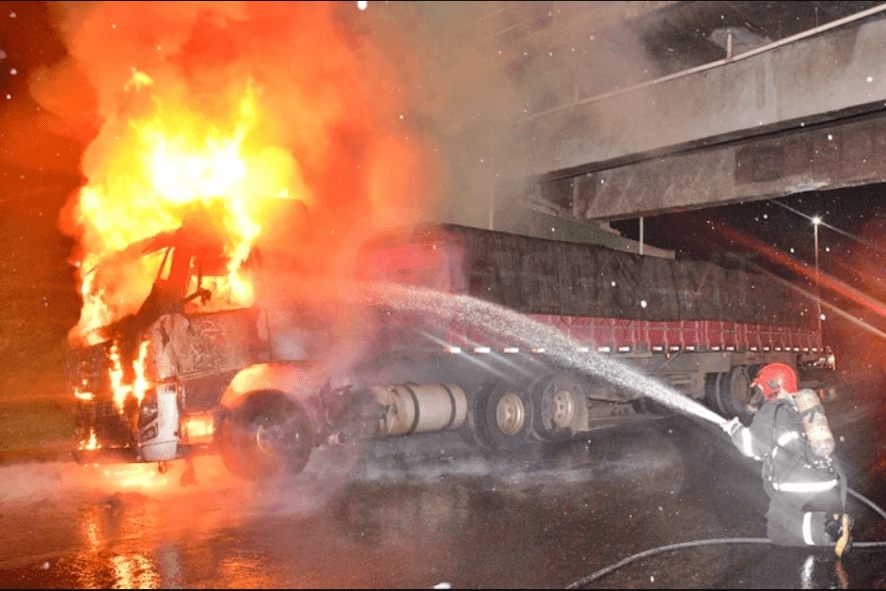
(314,362)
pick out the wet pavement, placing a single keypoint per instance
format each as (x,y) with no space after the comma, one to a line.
(430,511)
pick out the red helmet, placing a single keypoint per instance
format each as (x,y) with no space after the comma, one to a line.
(775,378)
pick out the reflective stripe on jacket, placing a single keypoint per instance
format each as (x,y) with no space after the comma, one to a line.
(777,438)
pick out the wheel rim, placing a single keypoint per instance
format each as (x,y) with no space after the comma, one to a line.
(259,443)
(562,409)
(268,438)
(276,437)
(510,414)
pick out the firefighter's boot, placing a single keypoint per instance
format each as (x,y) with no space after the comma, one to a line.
(839,529)
(844,542)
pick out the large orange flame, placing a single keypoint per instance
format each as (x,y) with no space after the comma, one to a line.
(284,121)
(164,162)
(140,382)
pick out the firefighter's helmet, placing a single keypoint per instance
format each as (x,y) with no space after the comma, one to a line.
(775,378)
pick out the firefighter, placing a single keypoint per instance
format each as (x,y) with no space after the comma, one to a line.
(788,432)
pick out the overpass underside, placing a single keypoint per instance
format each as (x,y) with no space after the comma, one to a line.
(804,113)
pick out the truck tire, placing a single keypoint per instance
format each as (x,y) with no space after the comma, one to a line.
(734,392)
(469,432)
(711,387)
(266,436)
(560,407)
(503,416)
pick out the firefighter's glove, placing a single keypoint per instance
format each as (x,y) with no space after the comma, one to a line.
(732,426)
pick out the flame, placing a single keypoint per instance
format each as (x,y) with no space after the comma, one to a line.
(166,162)
(231,108)
(91,443)
(138,81)
(140,383)
(119,390)
(198,429)
(84,396)
(95,311)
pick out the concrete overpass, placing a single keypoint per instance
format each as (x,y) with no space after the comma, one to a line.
(640,108)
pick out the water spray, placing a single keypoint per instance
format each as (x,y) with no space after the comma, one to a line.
(498,321)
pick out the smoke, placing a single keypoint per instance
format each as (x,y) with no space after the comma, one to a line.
(329,128)
(486,70)
(380,117)
(328,107)
(364,119)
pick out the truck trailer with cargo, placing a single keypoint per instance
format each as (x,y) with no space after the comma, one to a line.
(308,365)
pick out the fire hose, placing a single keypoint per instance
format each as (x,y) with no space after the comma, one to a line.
(581,583)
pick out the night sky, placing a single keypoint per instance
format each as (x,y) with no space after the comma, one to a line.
(851,225)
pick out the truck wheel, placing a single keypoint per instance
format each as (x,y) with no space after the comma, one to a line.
(561,407)
(711,387)
(503,416)
(265,436)
(469,432)
(734,392)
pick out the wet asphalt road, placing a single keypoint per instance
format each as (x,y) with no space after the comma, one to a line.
(426,512)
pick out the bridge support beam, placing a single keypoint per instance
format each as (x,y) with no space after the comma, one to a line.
(643,151)
(826,156)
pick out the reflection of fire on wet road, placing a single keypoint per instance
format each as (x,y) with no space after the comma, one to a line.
(409,520)
(26,482)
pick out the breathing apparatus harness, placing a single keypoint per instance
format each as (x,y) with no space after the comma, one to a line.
(820,438)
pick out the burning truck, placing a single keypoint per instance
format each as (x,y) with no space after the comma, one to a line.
(264,384)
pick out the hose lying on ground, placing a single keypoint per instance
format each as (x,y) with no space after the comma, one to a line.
(867,502)
(715,541)
(661,549)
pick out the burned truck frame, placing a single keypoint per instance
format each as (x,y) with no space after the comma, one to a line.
(266,384)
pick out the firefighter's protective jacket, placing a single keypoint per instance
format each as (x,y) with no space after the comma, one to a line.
(777,438)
